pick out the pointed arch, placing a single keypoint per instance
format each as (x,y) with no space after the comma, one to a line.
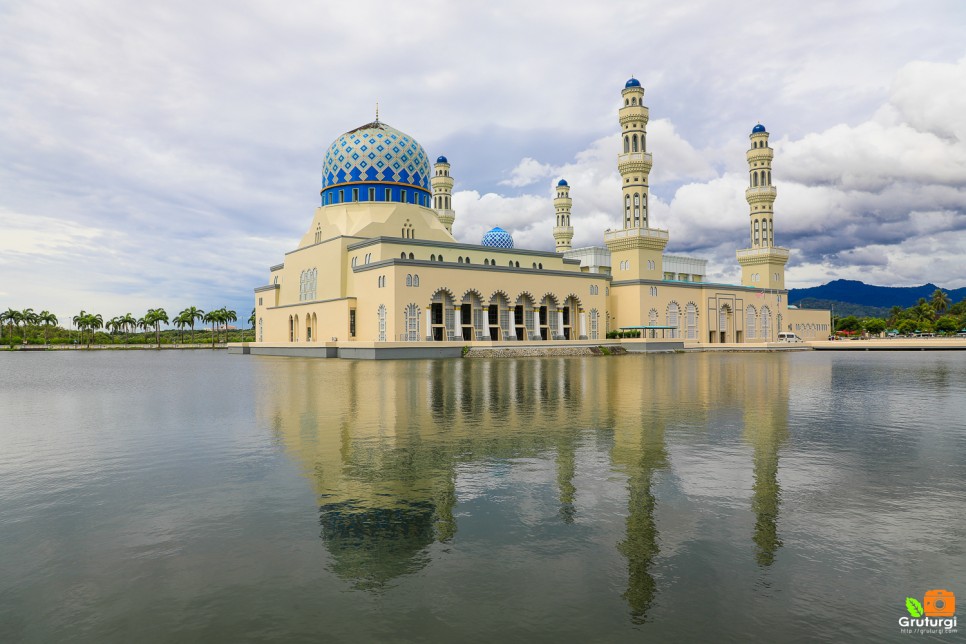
(751,322)
(691,320)
(673,314)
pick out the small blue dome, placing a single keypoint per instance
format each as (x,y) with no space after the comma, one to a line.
(441,159)
(562,182)
(633,82)
(497,238)
(758,128)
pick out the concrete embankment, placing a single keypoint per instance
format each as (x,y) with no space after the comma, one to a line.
(892,344)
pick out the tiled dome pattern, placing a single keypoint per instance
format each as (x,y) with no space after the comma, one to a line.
(497,238)
(376,153)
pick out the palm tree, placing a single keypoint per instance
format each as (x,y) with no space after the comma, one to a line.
(79,321)
(128,322)
(48,319)
(228,316)
(28,317)
(155,317)
(191,314)
(251,320)
(7,317)
(940,301)
(181,322)
(94,322)
(894,314)
(212,318)
(16,317)
(924,311)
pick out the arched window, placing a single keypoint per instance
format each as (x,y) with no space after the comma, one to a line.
(511,263)
(439,259)
(673,318)
(411,322)
(432,257)
(754,179)
(411,256)
(415,280)
(765,323)
(261,330)
(627,143)
(467,260)
(691,314)
(594,317)
(652,317)
(634,143)
(540,265)
(534,264)
(402,256)
(633,100)
(409,280)
(459,260)
(382,322)
(751,320)
(769,180)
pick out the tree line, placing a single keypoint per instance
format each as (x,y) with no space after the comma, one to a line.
(28,327)
(936,315)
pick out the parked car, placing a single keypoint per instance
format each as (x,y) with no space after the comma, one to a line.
(788,337)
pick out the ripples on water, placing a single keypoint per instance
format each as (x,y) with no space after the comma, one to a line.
(198,495)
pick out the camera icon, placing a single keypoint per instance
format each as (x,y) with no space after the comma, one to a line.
(939,603)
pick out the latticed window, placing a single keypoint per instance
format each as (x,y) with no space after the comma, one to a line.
(478,320)
(411,315)
(652,317)
(692,321)
(505,321)
(593,324)
(750,322)
(382,323)
(765,323)
(673,318)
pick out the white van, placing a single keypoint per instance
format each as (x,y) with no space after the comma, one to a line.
(788,337)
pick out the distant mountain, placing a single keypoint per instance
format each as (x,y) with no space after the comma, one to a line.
(883,297)
(843,309)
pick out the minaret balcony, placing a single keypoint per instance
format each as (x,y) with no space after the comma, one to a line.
(761,193)
(634,161)
(630,238)
(763,255)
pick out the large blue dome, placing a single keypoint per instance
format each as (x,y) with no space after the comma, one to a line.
(758,128)
(498,238)
(632,82)
(562,182)
(375,162)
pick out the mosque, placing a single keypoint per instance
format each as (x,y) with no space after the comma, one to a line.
(379,266)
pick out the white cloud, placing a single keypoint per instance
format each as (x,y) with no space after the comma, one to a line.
(171,152)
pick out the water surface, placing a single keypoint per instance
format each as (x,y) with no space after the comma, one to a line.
(196,495)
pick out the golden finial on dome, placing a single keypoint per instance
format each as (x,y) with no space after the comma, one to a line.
(377,111)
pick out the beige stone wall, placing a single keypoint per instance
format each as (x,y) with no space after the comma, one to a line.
(809,324)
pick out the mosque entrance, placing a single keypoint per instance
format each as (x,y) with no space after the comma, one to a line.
(436,317)
(466,321)
(566,324)
(520,329)
(493,321)
(544,328)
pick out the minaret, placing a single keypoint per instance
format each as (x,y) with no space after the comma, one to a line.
(636,249)
(443,193)
(563,232)
(634,163)
(763,263)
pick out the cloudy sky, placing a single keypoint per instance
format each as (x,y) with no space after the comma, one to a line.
(166,154)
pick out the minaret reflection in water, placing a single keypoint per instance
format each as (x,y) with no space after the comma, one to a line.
(766,429)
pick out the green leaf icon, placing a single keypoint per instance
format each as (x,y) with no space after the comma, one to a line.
(914,607)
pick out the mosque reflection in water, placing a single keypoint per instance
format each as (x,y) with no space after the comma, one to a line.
(383,443)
